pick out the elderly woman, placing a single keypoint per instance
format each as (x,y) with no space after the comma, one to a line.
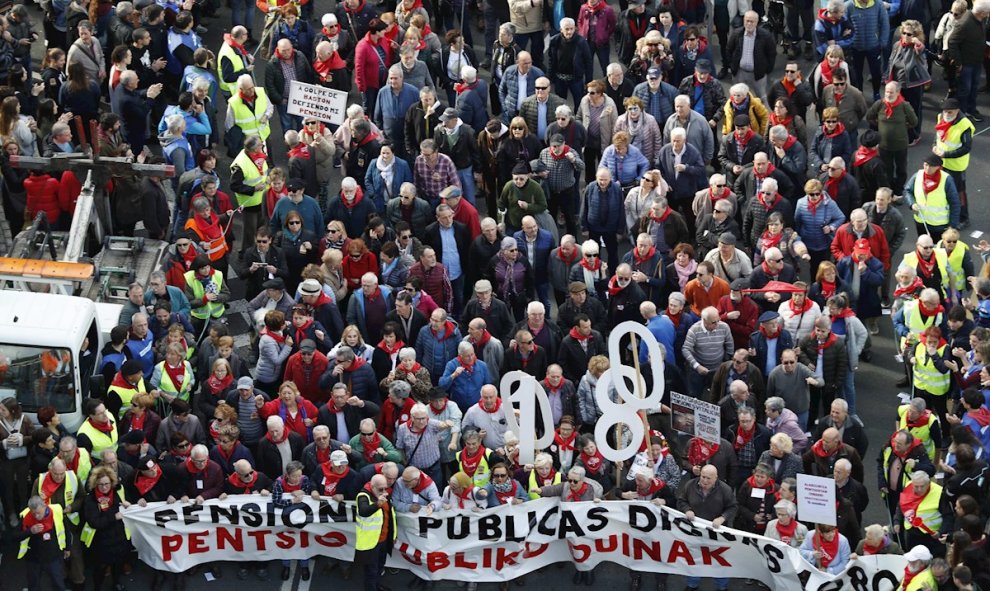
(342,137)
(332,274)
(512,278)
(576,489)
(781,458)
(786,239)
(298,413)
(644,130)
(683,269)
(103,532)
(626,162)
(595,465)
(521,145)
(408,370)
(799,313)
(223,415)
(816,218)
(755,508)
(359,261)
(783,420)
(588,409)
(785,114)
(831,141)
(209,229)
(826,549)
(385,176)
(597,113)
(644,486)
(821,75)
(908,66)
(299,244)
(591,270)
(274,347)
(876,541)
(538,474)
(657,459)
(743,102)
(786,528)
(640,198)
(827,284)
(15,439)
(461,494)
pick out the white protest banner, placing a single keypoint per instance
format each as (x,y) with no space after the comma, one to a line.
(529,393)
(493,545)
(695,417)
(309,100)
(816,499)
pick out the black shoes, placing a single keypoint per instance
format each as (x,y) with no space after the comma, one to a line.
(286,571)
(305,573)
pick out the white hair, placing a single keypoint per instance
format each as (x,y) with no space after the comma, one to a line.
(678,132)
(350,183)
(739,88)
(535,308)
(244,80)
(567,21)
(770,184)
(274,422)
(469,74)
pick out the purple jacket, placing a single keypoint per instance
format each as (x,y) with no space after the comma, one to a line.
(604,26)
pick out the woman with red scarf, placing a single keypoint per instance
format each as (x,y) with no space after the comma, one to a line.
(298,414)
(411,371)
(831,140)
(786,239)
(826,549)
(785,114)
(141,416)
(103,535)
(210,230)
(756,508)
(821,76)
(596,467)
(786,528)
(462,495)
(827,284)
(359,260)
(305,327)
(876,541)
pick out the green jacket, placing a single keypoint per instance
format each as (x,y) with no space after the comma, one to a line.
(893,131)
(509,199)
(391,454)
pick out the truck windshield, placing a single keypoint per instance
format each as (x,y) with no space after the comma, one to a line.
(38,377)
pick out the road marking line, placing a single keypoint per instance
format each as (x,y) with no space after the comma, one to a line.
(287,585)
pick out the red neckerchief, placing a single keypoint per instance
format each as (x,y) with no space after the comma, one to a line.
(674,318)
(49,486)
(440,411)
(393,349)
(176,374)
(576,335)
(358,197)
(864,155)
(828,288)
(653,486)
(700,451)
(47,522)
(371,447)
(829,550)
(870,550)
(743,437)
(770,337)
(786,532)
(271,438)
(785,121)
(903,456)
(596,8)
(279,338)
(839,130)
(74,464)
(761,198)
(104,500)
(942,127)
(462,87)
(466,494)
(832,338)
(301,330)
(926,268)
(713,197)
(931,181)
(847,313)
(288,487)
(746,136)
(331,479)
(325,67)
(540,481)
(480,344)
(575,495)
(550,387)
(291,58)
(888,108)
(377,292)
(563,152)
(300,151)
(768,241)
(120,381)
(594,464)
(145,483)
(564,445)
(909,502)
(506,497)
(237,482)
(766,269)
(591,267)
(916,286)
(470,463)
(367,140)
(613,286)
(827,71)
(498,406)
(791,140)
(574,255)
(662,217)
(908,576)
(412,370)
(468,367)
(760,177)
(358,363)
(447,332)
(804,308)
(323,455)
(333,408)
(137,421)
(649,254)
(229,40)
(218,386)
(106,427)
(926,313)
(921,421)
(769,486)
(353,11)
(193,468)
(832,185)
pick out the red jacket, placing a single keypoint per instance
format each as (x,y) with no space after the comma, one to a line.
(42,195)
(842,243)
(390,417)
(353,270)
(308,382)
(743,326)
(68,192)
(366,63)
(305,407)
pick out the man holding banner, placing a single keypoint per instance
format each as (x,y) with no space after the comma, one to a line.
(376,531)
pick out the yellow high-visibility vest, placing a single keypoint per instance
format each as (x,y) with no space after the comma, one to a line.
(88,532)
(250,120)
(953,141)
(204,311)
(933,208)
(71,485)
(252,177)
(59,530)
(926,377)
(369,529)
(923,433)
(533,486)
(101,441)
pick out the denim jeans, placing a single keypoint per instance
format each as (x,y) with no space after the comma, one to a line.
(872,57)
(574,87)
(720,582)
(288,121)
(491,28)
(242,13)
(849,387)
(369,97)
(534,42)
(466,175)
(969,84)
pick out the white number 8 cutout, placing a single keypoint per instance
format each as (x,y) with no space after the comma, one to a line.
(618,376)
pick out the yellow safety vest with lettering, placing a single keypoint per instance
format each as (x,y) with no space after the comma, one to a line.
(250,120)
(957,278)
(933,208)
(928,509)
(369,528)
(926,377)
(182,392)
(71,485)
(953,141)
(252,177)
(88,532)
(482,474)
(228,52)
(59,530)
(204,311)
(100,440)
(923,433)
(533,486)
(125,395)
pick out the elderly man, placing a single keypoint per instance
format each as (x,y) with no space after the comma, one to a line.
(518,82)
(578,347)
(773,269)
(738,367)
(285,66)
(44,543)
(393,101)
(820,459)
(824,352)
(492,311)
(539,110)
(421,120)
(925,514)
(682,166)
(625,296)
(369,306)
(730,263)
(344,412)
(962,48)
(464,376)
(740,312)
(416,492)
(699,134)
(249,111)
(706,200)
(901,456)
(433,172)
(752,52)
(244,399)
(706,345)
(769,342)
(739,396)
(437,344)
(790,380)
(578,302)
(486,348)
(851,430)
(924,425)
(355,373)
(564,165)
(933,197)
(535,245)
(408,207)
(374,545)
(472,101)
(545,334)
(420,439)
(200,478)
(788,155)
(850,488)
(749,184)
(709,498)
(62,487)
(435,278)
(749,439)
(159,290)
(738,148)
(457,141)
(318,452)
(488,418)
(859,228)
(278,447)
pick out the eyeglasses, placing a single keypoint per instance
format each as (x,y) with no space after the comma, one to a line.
(183,445)
(512,249)
(653,44)
(592,92)
(790,71)
(775,260)
(592,255)
(573,481)
(691,39)
(261,241)
(500,475)
(525,342)
(839,83)
(294,222)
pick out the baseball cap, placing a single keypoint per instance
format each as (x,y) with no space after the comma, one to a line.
(338,458)
(245,383)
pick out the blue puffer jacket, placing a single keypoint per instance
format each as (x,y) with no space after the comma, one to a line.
(465,389)
(871,23)
(825,30)
(433,352)
(603,212)
(809,225)
(667,94)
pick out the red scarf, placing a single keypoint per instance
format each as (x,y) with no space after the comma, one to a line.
(769,486)
(593,464)
(920,421)
(942,127)
(192,468)
(744,139)
(218,386)
(577,336)
(462,87)
(869,550)
(104,500)
(713,197)
(700,451)
(563,153)
(323,455)
(300,151)
(864,155)
(593,267)
(776,334)
(49,486)
(505,498)
(761,199)
(789,86)
(229,40)
(448,330)
(888,108)
(768,241)
(662,217)
(331,479)
(839,130)
(393,349)
(564,445)
(288,487)
(574,255)
(908,576)
(786,532)
(768,271)
(675,319)
(358,197)
(106,427)
(613,286)
(238,483)
(47,522)
(575,495)
(804,308)
(324,67)
(143,483)
(208,227)
(649,254)
(926,313)
(371,447)
(827,71)
(653,486)
(828,288)
(498,406)
(828,342)
(480,345)
(176,374)
(279,338)
(439,411)
(425,482)
(760,177)
(137,421)
(829,550)
(412,370)
(916,286)
(470,463)
(74,464)
(931,181)
(791,140)
(468,368)
(467,494)
(271,438)
(785,121)
(291,58)
(743,437)
(926,268)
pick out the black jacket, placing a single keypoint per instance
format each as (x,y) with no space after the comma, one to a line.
(592,306)
(352,418)
(764,52)
(464,152)
(417,322)
(711,92)
(498,319)
(461,236)
(269,460)
(156,211)
(255,279)
(275,78)
(573,358)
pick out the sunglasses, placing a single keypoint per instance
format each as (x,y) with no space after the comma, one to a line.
(261,242)
(525,342)
(294,223)
(573,481)
(592,93)
(775,260)
(541,87)
(838,83)
(691,39)
(182,244)
(814,193)
(308,123)
(517,129)
(592,255)
(500,475)
(831,121)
